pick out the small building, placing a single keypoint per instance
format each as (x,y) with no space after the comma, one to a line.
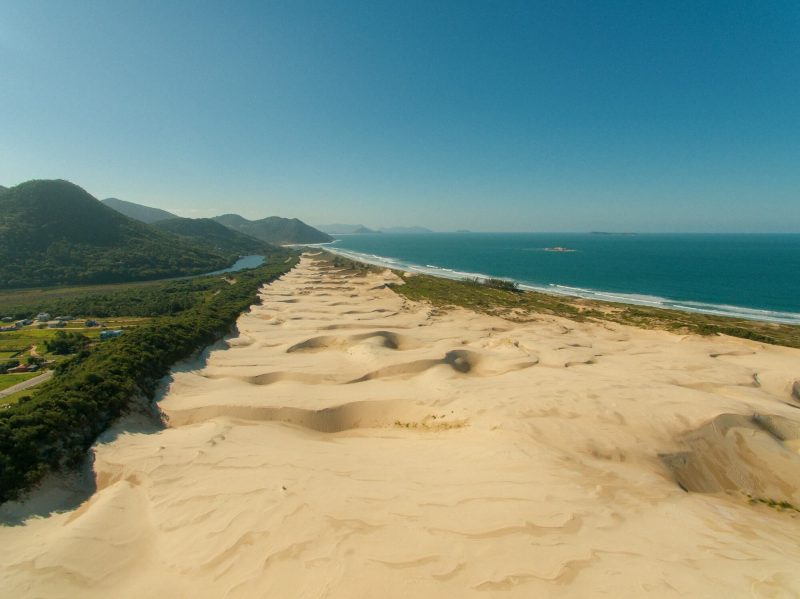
(21,368)
(43,317)
(6,329)
(110,334)
(91,323)
(20,323)
(64,318)
(56,324)
(7,319)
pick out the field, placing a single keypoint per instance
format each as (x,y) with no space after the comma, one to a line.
(9,380)
(11,301)
(22,343)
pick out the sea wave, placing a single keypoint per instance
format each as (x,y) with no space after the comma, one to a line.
(592,294)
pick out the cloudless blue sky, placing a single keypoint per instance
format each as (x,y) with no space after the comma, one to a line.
(504,116)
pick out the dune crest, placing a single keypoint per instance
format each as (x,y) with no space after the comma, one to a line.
(346,442)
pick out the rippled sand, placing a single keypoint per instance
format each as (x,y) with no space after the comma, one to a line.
(348,443)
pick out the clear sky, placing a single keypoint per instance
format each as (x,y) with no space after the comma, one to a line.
(503,116)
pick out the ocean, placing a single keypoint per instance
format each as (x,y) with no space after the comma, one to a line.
(749,276)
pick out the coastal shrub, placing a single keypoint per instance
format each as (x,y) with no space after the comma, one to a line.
(501,284)
(66,343)
(58,424)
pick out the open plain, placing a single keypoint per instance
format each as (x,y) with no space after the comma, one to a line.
(346,442)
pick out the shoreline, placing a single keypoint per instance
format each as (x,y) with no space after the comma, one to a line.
(526,304)
(631,299)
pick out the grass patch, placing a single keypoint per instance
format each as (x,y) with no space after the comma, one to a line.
(10,400)
(781,506)
(9,380)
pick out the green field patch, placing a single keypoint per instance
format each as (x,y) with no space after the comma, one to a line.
(9,380)
(10,400)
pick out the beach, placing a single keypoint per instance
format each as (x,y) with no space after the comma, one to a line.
(347,442)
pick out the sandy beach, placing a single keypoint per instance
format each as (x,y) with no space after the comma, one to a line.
(349,443)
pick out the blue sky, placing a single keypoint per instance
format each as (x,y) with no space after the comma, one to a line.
(502,116)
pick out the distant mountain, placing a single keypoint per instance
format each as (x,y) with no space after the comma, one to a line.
(54,232)
(346,229)
(208,232)
(274,229)
(405,230)
(145,214)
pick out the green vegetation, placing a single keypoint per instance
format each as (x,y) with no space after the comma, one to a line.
(147,298)
(775,505)
(352,266)
(144,214)
(65,343)
(498,284)
(9,380)
(210,233)
(13,398)
(56,426)
(54,233)
(274,229)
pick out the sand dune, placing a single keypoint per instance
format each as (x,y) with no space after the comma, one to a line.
(346,442)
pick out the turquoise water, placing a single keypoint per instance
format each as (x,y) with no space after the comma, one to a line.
(752,276)
(242,263)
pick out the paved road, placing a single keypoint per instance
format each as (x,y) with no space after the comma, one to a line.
(27,384)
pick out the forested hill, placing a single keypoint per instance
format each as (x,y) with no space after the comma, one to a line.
(146,214)
(275,229)
(208,232)
(53,232)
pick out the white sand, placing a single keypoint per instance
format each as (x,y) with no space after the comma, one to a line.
(351,444)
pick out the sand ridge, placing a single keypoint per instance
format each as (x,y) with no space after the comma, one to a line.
(349,443)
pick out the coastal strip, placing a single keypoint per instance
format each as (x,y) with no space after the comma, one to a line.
(571,292)
(521,305)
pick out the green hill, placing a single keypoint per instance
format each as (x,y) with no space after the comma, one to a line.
(145,214)
(54,232)
(210,233)
(274,229)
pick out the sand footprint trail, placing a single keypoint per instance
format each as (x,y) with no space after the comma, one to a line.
(348,443)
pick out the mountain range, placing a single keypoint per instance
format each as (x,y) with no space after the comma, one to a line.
(145,214)
(210,233)
(275,229)
(53,232)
